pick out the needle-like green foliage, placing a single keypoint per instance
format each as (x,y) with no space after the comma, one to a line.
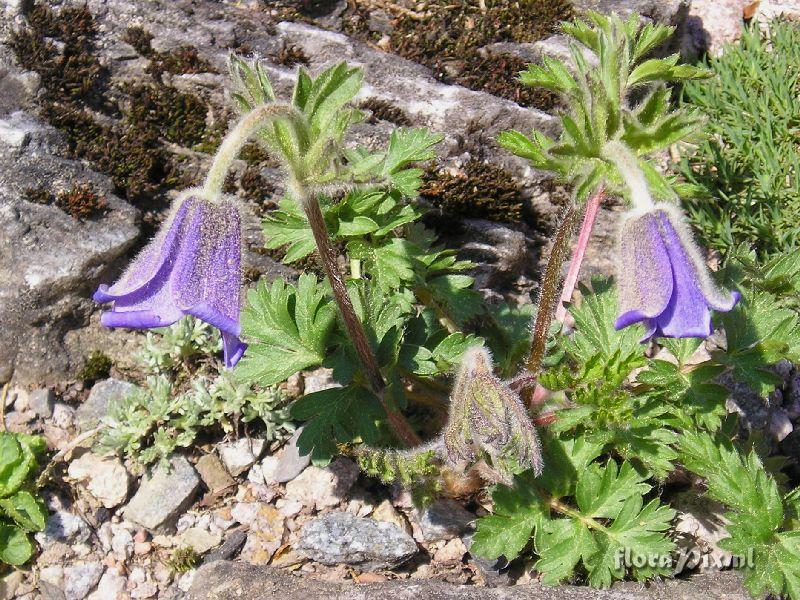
(745,175)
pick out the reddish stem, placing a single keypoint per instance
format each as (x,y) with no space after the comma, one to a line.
(589,217)
(549,280)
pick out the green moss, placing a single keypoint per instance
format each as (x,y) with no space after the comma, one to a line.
(183,559)
(180,117)
(447,37)
(180,60)
(385,111)
(97,366)
(140,39)
(132,156)
(120,132)
(38,195)
(478,190)
(497,74)
(256,188)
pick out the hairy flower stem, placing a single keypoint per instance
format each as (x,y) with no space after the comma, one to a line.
(589,217)
(355,331)
(549,294)
(544,316)
(232,144)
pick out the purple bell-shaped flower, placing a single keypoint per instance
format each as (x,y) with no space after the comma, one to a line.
(663,280)
(191,267)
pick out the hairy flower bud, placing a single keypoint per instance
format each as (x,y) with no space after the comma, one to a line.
(663,280)
(488,418)
(191,267)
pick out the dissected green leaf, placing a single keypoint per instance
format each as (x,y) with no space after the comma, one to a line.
(336,416)
(288,327)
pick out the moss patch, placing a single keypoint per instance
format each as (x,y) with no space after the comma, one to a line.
(121,131)
(479,190)
(447,36)
(385,111)
(182,560)
(97,366)
(291,55)
(183,59)
(256,188)
(81,201)
(180,117)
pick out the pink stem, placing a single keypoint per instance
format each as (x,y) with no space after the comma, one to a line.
(540,393)
(589,217)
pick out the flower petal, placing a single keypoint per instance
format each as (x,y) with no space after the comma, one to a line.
(687,314)
(715,297)
(644,271)
(150,270)
(233,349)
(208,285)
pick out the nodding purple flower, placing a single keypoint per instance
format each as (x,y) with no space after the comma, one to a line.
(663,280)
(191,267)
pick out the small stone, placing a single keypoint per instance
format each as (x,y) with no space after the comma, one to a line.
(494,572)
(19,398)
(185,581)
(387,513)
(294,385)
(780,425)
(42,401)
(265,536)
(200,540)
(213,473)
(162,574)
(287,464)
(79,580)
(790,446)
(451,553)
(122,543)
(341,538)
(146,589)
(162,498)
(700,523)
(17,422)
(111,586)
(185,522)
(56,438)
(323,488)
(53,575)
(445,519)
(63,526)
(289,507)
(240,455)
(10,584)
(256,474)
(319,380)
(105,477)
(137,575)
(142,548)
(233,543)
(141,535)
(103,393)
(15,131)
(245,512)
(63,415)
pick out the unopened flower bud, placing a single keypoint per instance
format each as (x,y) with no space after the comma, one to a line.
(488,419)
